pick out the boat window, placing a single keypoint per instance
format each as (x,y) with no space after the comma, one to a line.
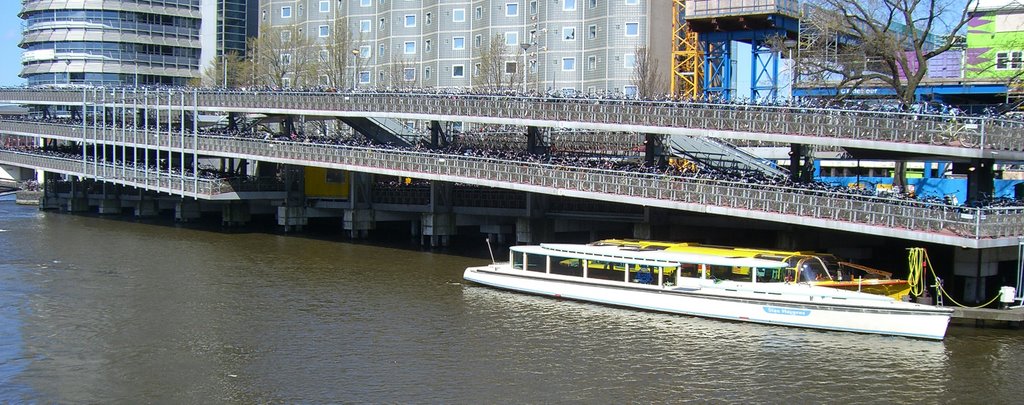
(536,262)
(689,270)
(566,266)
(812,270)
(517,260)
(770,275)
(729,273)
(604,270)
(641,274)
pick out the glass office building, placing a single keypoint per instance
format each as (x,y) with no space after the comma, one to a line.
(127,42)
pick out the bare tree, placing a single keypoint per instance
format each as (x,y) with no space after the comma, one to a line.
(399,77)
(231,67)
(498,67)
(888,42)
(281,53)
(336,57)
(647,76)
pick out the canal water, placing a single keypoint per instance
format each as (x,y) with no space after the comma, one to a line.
(100,310)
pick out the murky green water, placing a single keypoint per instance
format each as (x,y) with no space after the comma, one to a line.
(97,310)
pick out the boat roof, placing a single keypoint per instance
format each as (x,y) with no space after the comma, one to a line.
(649,258)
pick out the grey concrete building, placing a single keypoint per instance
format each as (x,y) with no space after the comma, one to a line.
(565,45)
(145,42)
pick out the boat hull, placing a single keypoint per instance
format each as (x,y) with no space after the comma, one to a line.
(710,301)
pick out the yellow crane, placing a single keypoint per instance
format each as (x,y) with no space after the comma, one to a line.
(686,55)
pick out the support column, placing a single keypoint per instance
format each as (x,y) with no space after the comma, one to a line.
(438,225)
(110,204)
(980,180)
(801,163)
(975,267)
(146,206)
(654,150)
(535,144)
(437,135)
(534,228)
(235,213)
(186,210)
(50,200)
(78,201)
(292,214)
(359,218)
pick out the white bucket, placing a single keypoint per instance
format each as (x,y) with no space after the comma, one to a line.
(1007,295)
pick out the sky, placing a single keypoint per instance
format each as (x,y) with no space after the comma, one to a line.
(10,35)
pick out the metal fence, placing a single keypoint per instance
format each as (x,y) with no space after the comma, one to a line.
(613,115)
(647,189)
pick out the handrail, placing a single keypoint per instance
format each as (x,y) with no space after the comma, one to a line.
(983,133)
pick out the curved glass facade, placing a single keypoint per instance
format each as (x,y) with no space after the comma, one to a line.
(105,43)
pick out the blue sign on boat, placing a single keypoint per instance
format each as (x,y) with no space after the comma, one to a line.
(787,311)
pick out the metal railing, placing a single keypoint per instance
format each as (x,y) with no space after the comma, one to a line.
(985,134)
(705,195)
(139,178)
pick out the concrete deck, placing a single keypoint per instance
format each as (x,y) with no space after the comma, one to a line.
(1013,317)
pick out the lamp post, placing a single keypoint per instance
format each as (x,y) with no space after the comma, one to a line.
(355,67)
(790,44)
(525,46)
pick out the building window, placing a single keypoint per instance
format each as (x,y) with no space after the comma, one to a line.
(325,31)
(631,2)
(478,12)
(593,3)
(568,33)
(286,12)
(365,52)
(476,69)
(426,73)
(410,48)
(569,5)
(365,3)
(592,62)
(511,9)
(427,46)
(410,20)
(1009,60)
(380,24)
(286,36)
(533,7)
(325,6)
(533,66)
(568,64)
(365,26)
(629,61)
(458,43)
(325,55)
(428,18)
(458,70)
(364,77)
(510,68)
(477,41)
(381,50)
(286,59)
(286,82)
(512,38)
(629,91)
(409,74)
(459,15)
(592,32)
(632,29)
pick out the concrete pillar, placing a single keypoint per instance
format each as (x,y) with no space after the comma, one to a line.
(235,213)
(186,210)
(292,218)
(980,180)
(77,204)
(358,222)
(146,207)
(642,230)
(531,230)
(437,228)
(654,150)
(110,205)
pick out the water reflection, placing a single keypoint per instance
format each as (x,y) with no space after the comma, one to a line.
(100,310)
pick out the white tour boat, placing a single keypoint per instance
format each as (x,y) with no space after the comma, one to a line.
(713,286)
